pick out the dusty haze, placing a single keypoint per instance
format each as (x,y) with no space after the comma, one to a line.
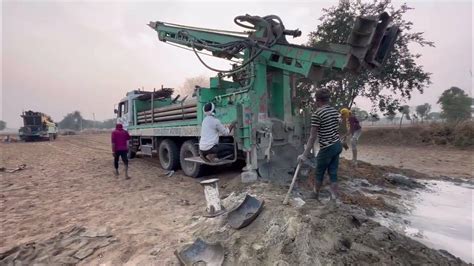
(58,57)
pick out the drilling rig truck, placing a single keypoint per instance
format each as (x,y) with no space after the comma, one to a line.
(37,126)
(258,93)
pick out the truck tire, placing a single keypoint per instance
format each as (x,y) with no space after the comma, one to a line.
(168,155)
(190,149)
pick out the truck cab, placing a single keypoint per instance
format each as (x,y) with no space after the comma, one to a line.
(124,110)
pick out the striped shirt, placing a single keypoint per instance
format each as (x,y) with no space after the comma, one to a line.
(326,119)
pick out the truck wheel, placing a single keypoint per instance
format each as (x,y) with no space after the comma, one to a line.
(189,149)
(168,154)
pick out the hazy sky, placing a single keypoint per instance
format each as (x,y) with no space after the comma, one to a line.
(58,57)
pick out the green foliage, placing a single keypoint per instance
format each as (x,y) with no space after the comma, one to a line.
(390,116)
(72,121)
(75,121)
(434,116)
(3,125)
(399,76)
(373,117)
(361,115)
(423,110)
(460,134)
(405,112)
(109,123)
(456,105)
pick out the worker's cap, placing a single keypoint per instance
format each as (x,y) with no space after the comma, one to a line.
(345,111)
(323,94)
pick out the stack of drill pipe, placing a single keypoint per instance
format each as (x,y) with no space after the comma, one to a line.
(183,111)
(171,107)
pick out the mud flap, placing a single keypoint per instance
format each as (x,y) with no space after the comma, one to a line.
(245,213)
(201,252)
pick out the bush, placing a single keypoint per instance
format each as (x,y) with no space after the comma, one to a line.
(457,134)
(464,134)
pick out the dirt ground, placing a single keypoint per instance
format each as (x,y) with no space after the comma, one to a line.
(435,161)
(68,193)
(70,182)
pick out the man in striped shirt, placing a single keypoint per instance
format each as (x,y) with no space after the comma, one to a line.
(325,128)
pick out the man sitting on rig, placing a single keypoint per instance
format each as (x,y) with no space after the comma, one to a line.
(210,149)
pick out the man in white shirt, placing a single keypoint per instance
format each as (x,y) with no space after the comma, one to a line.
(211,128)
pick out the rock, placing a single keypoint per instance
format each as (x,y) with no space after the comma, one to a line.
(84,253)
(281,263)
(370,212)
(380,233)
(343,244)
(155,251)
(101,231)
(248,176)
(297,202)
(356,221)
(257,247)
(292,227)
(403,181)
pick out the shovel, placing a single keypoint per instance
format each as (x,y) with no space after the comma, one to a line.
(285,201)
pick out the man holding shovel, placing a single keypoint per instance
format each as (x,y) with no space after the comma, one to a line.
(325,128)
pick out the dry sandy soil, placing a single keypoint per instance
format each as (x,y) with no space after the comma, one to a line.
(68,185)
(70,182)
(435,161)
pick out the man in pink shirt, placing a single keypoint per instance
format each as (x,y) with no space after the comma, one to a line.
(120,148)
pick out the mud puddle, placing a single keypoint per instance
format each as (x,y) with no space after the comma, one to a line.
(439,216)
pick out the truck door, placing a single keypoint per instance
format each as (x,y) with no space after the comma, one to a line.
(123,116)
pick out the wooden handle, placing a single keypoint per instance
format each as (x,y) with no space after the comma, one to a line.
(285,201)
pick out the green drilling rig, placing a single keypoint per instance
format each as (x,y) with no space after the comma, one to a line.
(258,92)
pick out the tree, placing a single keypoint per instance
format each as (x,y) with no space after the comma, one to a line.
(109,123)
(373,117)
(399,76)
(433,116)
(73,121)
(3,125)
(361,115)
(190,84)
(455,104)
(423,110)
(390,116)
(405,112)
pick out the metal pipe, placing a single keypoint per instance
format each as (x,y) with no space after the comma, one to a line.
(172,112)
(170,107)
(171,117)
(152,103)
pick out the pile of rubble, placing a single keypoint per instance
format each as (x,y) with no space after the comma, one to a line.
(312,233)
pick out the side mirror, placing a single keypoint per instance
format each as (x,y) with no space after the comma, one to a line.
(115,111)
